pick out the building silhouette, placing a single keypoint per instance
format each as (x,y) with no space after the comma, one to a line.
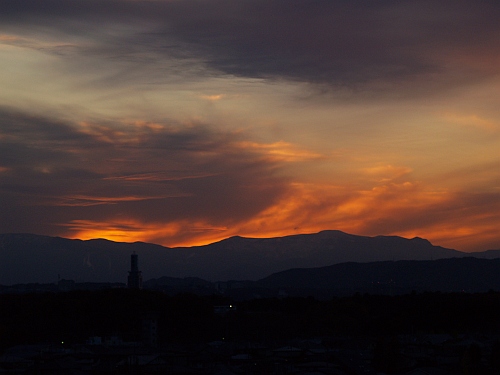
(134,275)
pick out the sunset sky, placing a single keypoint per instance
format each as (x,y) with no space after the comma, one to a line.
(183,122)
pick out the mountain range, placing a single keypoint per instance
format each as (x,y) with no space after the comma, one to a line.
(29,258)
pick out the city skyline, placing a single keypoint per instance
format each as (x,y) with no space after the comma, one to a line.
(185,122)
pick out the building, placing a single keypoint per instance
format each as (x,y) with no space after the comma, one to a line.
(134,275)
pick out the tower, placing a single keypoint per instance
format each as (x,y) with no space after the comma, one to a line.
(134,275)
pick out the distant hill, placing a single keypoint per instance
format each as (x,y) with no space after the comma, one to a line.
(489,254)
(466,274)
(26,258)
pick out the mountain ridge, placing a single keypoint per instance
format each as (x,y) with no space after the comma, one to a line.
(37,258)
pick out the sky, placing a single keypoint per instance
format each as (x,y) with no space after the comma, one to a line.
(184,122)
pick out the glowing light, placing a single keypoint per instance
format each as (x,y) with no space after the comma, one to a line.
(213,98)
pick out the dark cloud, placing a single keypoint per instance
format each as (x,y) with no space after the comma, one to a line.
(345,44)
(356,45)
(53,173)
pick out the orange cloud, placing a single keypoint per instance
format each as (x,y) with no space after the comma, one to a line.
(280,151)
(406,209)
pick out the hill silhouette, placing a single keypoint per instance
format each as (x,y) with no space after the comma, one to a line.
(471,275)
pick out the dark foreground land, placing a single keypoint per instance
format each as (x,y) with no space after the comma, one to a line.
(124,331)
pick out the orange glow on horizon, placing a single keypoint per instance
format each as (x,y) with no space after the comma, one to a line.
(392,209)
(135,231)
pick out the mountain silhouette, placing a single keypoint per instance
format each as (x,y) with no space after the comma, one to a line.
(27,258)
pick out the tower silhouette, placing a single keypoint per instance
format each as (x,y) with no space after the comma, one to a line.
(134,275)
